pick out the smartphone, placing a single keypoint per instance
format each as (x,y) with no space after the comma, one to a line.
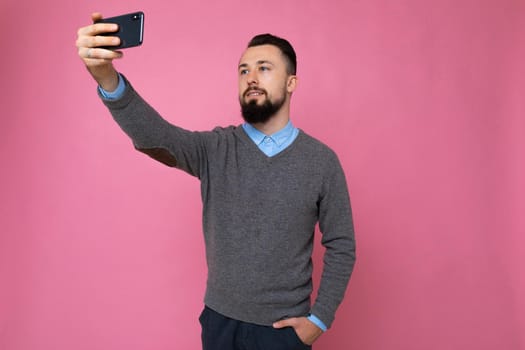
(130,29)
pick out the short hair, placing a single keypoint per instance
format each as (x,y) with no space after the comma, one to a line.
(282,44)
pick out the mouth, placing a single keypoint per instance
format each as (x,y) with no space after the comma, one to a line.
(254,93)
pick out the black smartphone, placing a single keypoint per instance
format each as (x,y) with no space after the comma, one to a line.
(130,29)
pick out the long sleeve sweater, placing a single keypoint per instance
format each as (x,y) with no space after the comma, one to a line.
(258,244)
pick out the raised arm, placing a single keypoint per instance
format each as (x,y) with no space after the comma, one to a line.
(150,133)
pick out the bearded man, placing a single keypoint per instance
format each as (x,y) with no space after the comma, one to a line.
(265,184)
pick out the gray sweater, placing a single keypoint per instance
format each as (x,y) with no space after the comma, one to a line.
(259,214)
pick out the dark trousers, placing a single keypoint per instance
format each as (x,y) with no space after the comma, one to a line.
(223,333)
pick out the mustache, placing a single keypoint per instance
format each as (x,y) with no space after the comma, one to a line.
(248,90)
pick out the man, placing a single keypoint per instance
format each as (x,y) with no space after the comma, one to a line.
(265,184)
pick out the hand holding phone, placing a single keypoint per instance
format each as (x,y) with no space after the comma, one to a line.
(130,29)
(98,44)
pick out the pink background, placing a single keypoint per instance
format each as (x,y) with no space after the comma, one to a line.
(101,248)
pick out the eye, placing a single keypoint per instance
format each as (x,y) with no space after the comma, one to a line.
(243,72)
(264,68)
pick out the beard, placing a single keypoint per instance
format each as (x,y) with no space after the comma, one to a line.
(254,113)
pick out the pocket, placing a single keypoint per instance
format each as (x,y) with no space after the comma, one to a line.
(298,340)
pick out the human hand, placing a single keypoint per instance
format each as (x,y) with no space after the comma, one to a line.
(99,61)
(306,330)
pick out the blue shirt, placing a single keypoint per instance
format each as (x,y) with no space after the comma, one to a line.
(118,93)
(275,143)
(269,145)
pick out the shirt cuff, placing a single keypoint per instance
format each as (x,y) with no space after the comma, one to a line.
(118,93)
(317,322)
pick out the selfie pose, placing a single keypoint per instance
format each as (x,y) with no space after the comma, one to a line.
(265,185)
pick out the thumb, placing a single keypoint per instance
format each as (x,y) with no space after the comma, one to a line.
(96,16)
(284,323)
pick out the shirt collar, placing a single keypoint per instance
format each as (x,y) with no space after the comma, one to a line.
(278,137)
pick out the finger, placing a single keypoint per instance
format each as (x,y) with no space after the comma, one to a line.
(97,41)
(98,53)
(97,28)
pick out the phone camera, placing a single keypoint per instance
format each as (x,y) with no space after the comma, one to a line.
(135,17)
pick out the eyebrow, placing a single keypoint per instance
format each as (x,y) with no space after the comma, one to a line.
(258,63)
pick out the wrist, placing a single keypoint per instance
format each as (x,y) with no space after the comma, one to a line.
(106,78)
(117,93)
(315,320)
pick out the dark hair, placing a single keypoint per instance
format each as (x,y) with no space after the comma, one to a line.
(283,45)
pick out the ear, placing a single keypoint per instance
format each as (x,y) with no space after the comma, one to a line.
(291,84)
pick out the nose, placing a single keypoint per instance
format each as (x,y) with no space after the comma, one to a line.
(252,78)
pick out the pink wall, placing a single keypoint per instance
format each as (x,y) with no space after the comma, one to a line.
(100,247)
